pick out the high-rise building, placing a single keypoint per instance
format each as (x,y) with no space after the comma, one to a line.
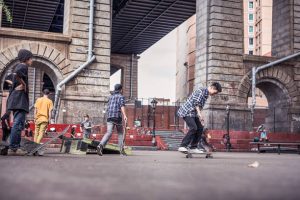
(185,62)
(258,27)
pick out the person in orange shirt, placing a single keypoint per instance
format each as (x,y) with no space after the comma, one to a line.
(42,115)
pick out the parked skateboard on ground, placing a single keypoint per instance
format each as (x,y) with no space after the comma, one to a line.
(26,145)
(31,147)
(122,150)
(39,148)
(189,154)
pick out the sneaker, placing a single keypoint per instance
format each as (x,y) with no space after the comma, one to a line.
(182,149)
(123,153)
(39,153)
(12,152)
(196,151)
(21,152)
(100,149)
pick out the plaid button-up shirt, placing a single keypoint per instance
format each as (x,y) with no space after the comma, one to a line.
(115,102)
(197,98)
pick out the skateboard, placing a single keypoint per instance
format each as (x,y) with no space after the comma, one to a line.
(122,150)
(26,145)
(40,147)
(31,147)
(91,147)
(189,154)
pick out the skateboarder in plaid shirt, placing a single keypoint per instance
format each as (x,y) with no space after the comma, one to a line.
(115,110)
(190,111)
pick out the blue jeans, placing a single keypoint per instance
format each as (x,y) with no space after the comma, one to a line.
(18,126)
(108,134)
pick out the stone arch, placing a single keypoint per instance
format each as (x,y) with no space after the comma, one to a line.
(281,93)
(46,58)
(42,51)
(276,74)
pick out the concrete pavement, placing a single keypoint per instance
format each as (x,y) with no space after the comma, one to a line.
(150,175)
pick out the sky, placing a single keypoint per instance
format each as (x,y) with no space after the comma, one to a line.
(156,70)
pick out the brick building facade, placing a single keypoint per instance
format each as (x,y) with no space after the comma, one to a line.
(129,27)
(220,57)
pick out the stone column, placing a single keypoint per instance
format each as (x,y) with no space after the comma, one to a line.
(285,27)
(88,92)
(219,57)
(129,65)
(286,41)
(0,16)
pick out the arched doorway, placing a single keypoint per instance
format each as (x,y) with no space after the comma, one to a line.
(272,108)
(43,74)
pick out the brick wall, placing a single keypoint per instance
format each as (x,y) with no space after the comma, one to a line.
(165,117)
(88,92)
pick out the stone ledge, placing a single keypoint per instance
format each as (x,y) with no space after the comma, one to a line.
(20,33)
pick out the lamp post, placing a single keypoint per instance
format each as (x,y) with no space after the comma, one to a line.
(227,137)
(153,103)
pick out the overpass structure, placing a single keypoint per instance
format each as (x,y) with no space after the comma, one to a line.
(58,34)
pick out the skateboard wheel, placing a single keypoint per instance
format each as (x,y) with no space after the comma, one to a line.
(187,156)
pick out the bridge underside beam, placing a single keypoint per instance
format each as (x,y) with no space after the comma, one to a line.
(133,21)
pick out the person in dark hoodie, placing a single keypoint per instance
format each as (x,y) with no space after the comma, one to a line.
(18,100)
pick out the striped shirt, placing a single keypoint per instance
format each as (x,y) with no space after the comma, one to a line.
(197,98)
(115,102)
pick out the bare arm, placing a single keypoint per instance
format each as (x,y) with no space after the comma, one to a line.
(7,124)
(21,81)
(123,109)
(35,114)
(50,112)
(9,82)
(200,115)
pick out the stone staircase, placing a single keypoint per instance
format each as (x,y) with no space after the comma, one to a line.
(171,138)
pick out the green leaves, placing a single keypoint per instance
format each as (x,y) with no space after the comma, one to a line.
(6,11)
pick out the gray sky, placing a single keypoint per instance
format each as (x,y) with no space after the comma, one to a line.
(156,70)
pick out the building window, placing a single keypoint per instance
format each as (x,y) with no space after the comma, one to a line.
(250,29)
(250,5)
(250,52)
(251,17)
(250,41)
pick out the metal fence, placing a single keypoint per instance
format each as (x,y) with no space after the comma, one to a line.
(141,111)
(276,119)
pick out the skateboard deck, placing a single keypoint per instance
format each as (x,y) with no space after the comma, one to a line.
(109,148)
(40,147)
(122,150)
(190,155)
(31,147)
(26,145)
